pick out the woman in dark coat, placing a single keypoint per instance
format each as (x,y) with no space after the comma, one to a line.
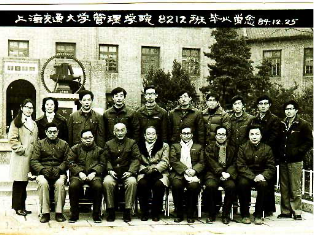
(22,138)
(50,108)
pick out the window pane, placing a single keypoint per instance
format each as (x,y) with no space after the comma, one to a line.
(191,61)
(150,58)
(18,48)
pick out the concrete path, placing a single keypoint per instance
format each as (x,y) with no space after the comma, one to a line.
(10,223)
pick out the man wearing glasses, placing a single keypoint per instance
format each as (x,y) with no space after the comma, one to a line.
(269,124)
(49,162)
(220,163)
(86,163)
(187,162)
(295,141)
(152,115)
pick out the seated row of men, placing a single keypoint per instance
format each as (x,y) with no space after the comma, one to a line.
(152,165)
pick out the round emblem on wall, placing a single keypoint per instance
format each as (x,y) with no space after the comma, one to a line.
(63,73)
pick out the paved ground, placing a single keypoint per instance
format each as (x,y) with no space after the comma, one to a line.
(10,223)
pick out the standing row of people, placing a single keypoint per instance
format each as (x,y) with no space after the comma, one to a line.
(105,131)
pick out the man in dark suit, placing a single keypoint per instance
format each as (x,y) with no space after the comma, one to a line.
(187,162)
(221,170)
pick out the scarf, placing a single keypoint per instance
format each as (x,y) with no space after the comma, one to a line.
(149,147)
(28,122)
(222,154)
(186,159)
(50,117)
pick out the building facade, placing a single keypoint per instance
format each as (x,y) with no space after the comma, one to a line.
(111,57)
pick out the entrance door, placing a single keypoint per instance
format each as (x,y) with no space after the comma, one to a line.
(18,91)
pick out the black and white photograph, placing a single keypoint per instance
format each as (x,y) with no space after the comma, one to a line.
(156,117)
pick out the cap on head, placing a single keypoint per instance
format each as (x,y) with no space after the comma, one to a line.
(236,98)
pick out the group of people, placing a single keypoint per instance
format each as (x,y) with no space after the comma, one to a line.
(149,150)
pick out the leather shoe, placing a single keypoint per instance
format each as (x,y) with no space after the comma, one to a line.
(111,215)
(225,220)
(258,221)
(60,217)
(28,212)
(73,218)
(155,218)
(144,217)
(45,218)
(210,220)
(178,219)
(246,220)
(96,219)
(21,212)
(127,215)
(297,217)
(190,220)
(284,216)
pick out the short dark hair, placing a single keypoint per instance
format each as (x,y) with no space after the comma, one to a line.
(55,101)
(85,92)
(213,94)
(293,102)
(264,97)
(183,127)
(251,127)
(86,130)
(149,87)
(237,97)
(219,127)
(118,90)
(183,92)
(51,124)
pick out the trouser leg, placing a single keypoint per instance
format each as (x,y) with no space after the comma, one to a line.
(261,188)
(97,190)
(193,190)
(130,191)
(109,186)
(43,192)
(158,194)
(177,192)
(295,175)
(284,189)
(210,192)
(19,194)
(270,205)
(74,191)
(244,192)
(143,192)
(59,193)
(230,189)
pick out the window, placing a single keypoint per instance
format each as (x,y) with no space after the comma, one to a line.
(308,61)
(109,53)
(150,58)
(191,61)
(66,48)
(274,57)
(18,48)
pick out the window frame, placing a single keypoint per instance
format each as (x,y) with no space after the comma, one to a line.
(110,53)
(19,49)
(274,66)
(191,64)
(305,62)
(143,55)
(66,44)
